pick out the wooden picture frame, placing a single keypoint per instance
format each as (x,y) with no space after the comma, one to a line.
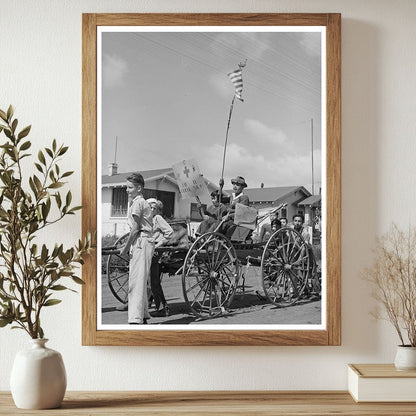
(331,334)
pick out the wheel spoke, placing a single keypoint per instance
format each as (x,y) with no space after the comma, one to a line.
(294,252)
(221,261)
(214,257)
(225,287)
(117,276)
(117,272)
(200,291)
(210,295)
(218,292)
(285,267)
(198,283)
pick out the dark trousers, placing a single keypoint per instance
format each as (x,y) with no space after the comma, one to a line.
(227,228)
(155,282)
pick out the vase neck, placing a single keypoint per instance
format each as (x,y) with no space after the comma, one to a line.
(38,342)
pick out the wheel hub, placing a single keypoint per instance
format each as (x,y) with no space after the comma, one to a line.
(213,275)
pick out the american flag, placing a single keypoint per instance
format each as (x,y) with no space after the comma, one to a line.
(237,79)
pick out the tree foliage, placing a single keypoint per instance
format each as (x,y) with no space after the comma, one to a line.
(393,276)
(30,272)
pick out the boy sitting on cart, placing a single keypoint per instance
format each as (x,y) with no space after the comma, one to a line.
(213,213)
(228,225)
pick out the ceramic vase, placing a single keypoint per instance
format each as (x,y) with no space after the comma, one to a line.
(38,377)
(405,358)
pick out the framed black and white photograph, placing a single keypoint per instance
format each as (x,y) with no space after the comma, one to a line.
(211,157)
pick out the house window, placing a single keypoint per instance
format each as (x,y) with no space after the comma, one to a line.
(195,214)
(167,198)
(119,202)
(283,213)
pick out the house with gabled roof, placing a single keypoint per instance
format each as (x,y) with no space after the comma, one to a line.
(266,199)
(159,183)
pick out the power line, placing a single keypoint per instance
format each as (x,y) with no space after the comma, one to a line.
(257,85)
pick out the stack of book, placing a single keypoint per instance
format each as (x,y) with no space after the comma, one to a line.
(381,383)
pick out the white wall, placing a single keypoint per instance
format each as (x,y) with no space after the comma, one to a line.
(40,73)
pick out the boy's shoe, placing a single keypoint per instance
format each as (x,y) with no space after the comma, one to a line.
(161,312)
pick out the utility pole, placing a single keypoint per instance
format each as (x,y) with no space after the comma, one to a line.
(313,179)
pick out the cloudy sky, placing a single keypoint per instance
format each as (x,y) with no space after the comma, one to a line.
(167,96)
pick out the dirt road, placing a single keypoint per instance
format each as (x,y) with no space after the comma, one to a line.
(247,308)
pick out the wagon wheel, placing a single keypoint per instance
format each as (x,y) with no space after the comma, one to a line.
(118,272)
(210,275)
(285,267)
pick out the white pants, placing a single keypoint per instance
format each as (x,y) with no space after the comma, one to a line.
(139,274)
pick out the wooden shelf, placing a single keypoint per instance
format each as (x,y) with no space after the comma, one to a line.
(222,403)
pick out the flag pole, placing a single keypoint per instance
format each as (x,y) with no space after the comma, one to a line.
(225,148)
(313,180)
(221,182)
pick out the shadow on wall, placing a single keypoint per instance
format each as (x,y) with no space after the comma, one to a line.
(361,124)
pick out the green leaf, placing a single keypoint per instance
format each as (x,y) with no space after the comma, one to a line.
(66,273)
(5,321)
(45,211)
(49,152)
(25,145)
(54,145)
(62,257)
(63,150)
(37,182)
(24,132)
(39,167)
(57,249)
(33,187)
(67,174)
(10,112)
(56,185)
(59,287)
(14,125)
(58,199)
(68,199)
(3,115)
(78,280)
(77,208)
(41,157)
(51,302)
(44,253)
(40,331)
(8,133)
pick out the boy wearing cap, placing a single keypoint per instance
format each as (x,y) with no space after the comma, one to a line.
(162,232)
(227,228)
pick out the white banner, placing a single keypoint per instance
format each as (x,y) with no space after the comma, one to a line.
(189,178)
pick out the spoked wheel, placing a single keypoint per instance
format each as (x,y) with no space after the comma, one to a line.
(210,275)
(285,267)
(118,272)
